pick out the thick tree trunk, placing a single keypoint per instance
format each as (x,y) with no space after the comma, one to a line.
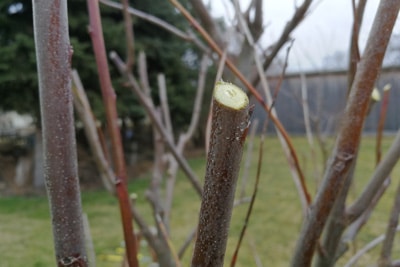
(230,121)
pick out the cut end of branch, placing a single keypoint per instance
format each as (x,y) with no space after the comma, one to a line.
(231,96)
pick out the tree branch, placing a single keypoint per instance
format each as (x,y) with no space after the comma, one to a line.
(348,140)
(380,174)
(109,99)
(53,54)
(387,246)
(129,35)
(358,13)
(85,113)
(207,21)
(229,129)
(145,103)
(298,16)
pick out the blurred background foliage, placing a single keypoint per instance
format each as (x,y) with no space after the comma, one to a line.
(165,53)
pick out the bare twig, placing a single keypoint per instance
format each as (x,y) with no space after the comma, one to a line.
(380,174)
(387,246)
(229,129)
(253,197)
(254,92)
(89,241)
(298,16)
(355,227)
(143,77)
(353,260)
(162,89)
(130,41)
(164,233)
(207,21)
(150,18)
(86,115)
(53,54)
(109,99)
(187,242)
(295,169)
(348,140)
(249,153)
(381,122)
(358,13)
(145,103)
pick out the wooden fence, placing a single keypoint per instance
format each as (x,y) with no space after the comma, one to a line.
(327,92)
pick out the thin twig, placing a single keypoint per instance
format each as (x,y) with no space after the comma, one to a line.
(253,196)
(387,246)
(296,171)
(291,157)
(381,122)
(145,103)
(379,176)
(354,58)
(353,260)
(161,226)
(297,17)
(150,18)
(129,35)
(249,153)
(187,242)
(86,115)
(162,89)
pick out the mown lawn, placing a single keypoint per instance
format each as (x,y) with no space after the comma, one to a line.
(25,229)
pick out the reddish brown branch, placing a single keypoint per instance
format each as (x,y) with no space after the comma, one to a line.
(109,98)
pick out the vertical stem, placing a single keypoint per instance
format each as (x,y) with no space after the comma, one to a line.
(230,122)
(53,53)
(381,121)
(109,99)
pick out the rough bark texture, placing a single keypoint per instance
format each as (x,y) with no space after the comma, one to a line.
(228,133)
(60,164)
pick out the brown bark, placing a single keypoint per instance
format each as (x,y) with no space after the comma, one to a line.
(53,53)
(230,121)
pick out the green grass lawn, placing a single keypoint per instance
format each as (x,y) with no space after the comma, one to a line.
(26,237)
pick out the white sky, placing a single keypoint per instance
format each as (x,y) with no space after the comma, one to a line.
(324,31)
